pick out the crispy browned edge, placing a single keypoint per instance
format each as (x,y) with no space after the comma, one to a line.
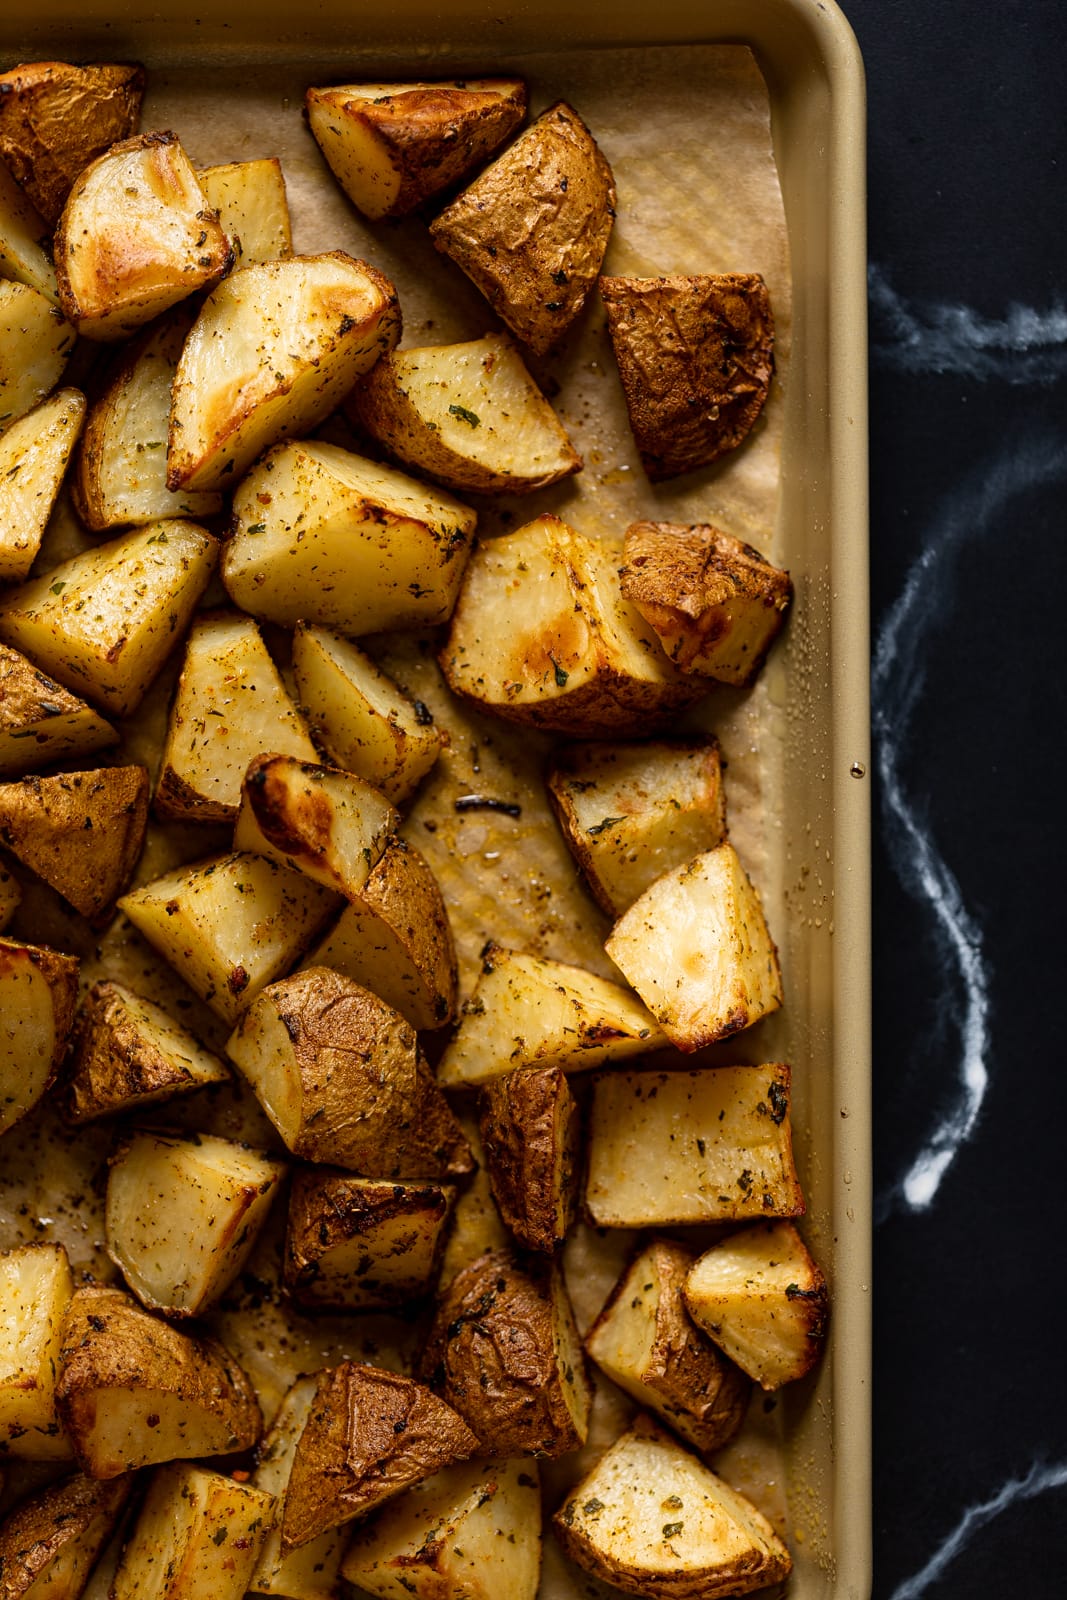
(530,1131)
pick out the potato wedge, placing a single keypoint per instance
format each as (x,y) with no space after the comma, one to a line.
(34,453)
(396,940)
(322,535)
(339,1074)
(120,1366)
(541,634)
(472,1530)
(362,719)
(104,622)
(35,1290)
(296,336)
(35,345)
(646,1342)
(56,118)
(82,832)
(531,231)
(198,1537)
(136,236)
(716,604)
(10,897)
(40,721)
(714,1145)
(309,1573)
(468,415)
(392,145)
(653,1520)
(230,704)
(763,1300)
(127,1051)
(24,237)
(695,355)
(38,994)
(50,1543)
(696,948)
(250,199)
(369,1435)
(530,1132)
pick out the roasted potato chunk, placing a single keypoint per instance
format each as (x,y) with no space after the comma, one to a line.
(33,458)
(250,199)
(309,1573)
(38,993)
(530,1134)
(531,231)
(82,832)
(35,345)
(49,1545)
(198,1537)
(23,236)
(695,356)
(468,415)
(35,1290)
(393,145)
(56,118)
(40,721)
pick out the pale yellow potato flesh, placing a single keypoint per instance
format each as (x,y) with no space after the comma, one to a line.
(36,341)
(35,1289)
(250,199)
(34,453)
(309,1572)
(38,988)
(198,1537)
(22,234)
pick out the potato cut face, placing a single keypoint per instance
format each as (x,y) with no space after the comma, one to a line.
(50,1543)
(230,705)
(536,274)
(697,949)
(230,925)
(362,719)
(310,1572)
(473,1530)
(392,145)
(527,1011)
(250,199)
(33,458)
(631,812)
(38,993)
(82,832)
(296,335)
(469,415)
(35,1290)
(127,1051)
(322,535)
(104,622)
(198,1537)
(40,721)
(763,1300)
(184,1214)
(35,345)
(530,1129)
(23,232)
(713,1145)
(652,1519)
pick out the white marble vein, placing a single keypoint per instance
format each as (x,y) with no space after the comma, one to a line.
(1025,346)
(1039,1480)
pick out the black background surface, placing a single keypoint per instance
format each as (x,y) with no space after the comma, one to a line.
(968,206)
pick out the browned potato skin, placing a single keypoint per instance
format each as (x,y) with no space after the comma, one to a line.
(536,278)
(369,1434)
(530,1131)
(81,831)
(403,891)
(695,356)
(35,1533)
(29,699)
(112,1065)
(55,118)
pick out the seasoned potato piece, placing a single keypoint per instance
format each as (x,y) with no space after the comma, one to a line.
(127,1051)
(40,721)
(631,812)
(472,1530)
(477,1226)
(646,1343)
(504,1351)
(38,993)
(395,939)
(23,236)
(763,1300)
(136,236)
(713,1145)
(527,1011)
(339,1074)
(362,719)
(530,1132)
(275,347)
(230,704)
(325,823)
(121,1367)
(33,458)
(326,536)
(369,1435)
(361,1243)
(542,634)
(55,118)
(10,897)
(392,145)
(532,230)
(309,1573)
(468,415)
(250,199)
(82,832)
(695,357)
(35,345)
(183,1215)
(49,1545)
(716,604)
(35,1290)
(121,475)
(105,621)
(653,1520)
(229,925)
(696,948)
(198,1537)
